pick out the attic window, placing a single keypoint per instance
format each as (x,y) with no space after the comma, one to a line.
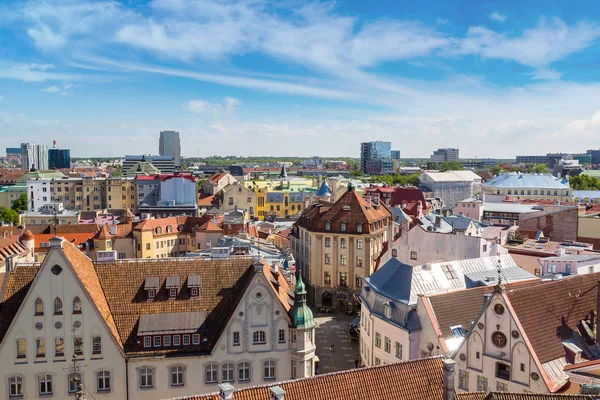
(172,285)
(327,226)
(346,208)
(159,230)
(151,286)
(169,229)
(449,271)
(359,228)
(194,285)
(343,227)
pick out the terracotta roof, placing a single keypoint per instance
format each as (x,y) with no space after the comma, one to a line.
(412,380)
(210,226)
(206,201)
(11,176)
(216,177)
(77,239)
(84,270)
(27,235)
(8,249)
(122,230)
(351,208)
(189,223)
(408,195)
(539,310)
(462,307)
(14,289)
(63,229)
(223,283)
(582,364)
(520,396)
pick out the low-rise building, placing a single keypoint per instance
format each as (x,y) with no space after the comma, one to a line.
(217,182)
(237,196)
(51,213)
(529,186)
(167,195)
(451,186)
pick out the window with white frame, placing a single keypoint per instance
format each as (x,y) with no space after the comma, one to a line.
(96,345)
(177,376)
(40,345)
(343,243)
(194,292)
(21,348)
(327,258)
(294,370)
(227,372)
(236,339)
(398,350)
(463,379)
(39,307)
(343,226)
(327,242)
(211,373)
(482,383)
(146,378)
(103,380)
(259,337)
(327,226)
(196,338)
(359,243)
(176,340)
(45,384)
(343,259)
(147,341)
(167,340)
(281,336)
(15,386)
(244,371)
(377,339)
(387,345)
(359,228)
(269,369)
(58,306)
(157,341)
(76,305)
(501,387)
(186,340)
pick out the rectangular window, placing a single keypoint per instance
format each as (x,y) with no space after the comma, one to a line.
(236,338)
(327,278)
(359,244)
(45,384)
(103,381)
(342,260)
(501,387)
(78,345)
(281,336)
(73,383)
(482,383)
(413,255)
(378,339)
(59,347)
(327,258)
(343,243)
(358,281)
(40,345)
(377,361)
(167,340)
(327,242)
(398,350)
(463,380)
(196,338)
(388,345)
(96,345)
(503,371)
(244,371)
(156,341)
(147,341)
(21,348)
(194,292)
(343,279)
(259,337)
(359,263)
(186,340)
(294,371)
(269,370)
(176,340)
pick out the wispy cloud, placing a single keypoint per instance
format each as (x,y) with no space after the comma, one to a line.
(226,107)
(496,16)
(31,72)
(546,74)
(64,90)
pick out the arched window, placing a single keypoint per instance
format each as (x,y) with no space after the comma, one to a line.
(211,373)
(76,305)
(169,229)
(15,386)
(359,228)
(58,306)
(327,226)
(343,227)
(159,230)
(39,307)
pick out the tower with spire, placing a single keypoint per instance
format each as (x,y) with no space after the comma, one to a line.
(303,334)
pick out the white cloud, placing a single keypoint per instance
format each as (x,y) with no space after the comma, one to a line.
(227,107)
(30,72)
(545,74)
(65,90)
(52,89)
(496,16)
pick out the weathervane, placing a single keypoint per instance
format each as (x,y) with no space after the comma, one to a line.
(499,288)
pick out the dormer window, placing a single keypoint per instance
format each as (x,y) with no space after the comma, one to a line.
(359,228)
(194,285)
(151,286)
(169,229)
(343,227)
(159,230)
(173,286)
(327,226)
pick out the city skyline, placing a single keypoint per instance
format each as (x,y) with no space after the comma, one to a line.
(302,78)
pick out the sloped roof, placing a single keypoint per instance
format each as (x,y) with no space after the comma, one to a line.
(540,308)
(412,380)
(518,180)
(451,176)
(393,279)
(323,190)
(76,239)
(210,226)
(14,290)
(520,396)
(408,195)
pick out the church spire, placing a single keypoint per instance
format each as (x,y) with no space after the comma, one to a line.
(300,313)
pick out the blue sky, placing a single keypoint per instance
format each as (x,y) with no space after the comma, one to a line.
(495,79)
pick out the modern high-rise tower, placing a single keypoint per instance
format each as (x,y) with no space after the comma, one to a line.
(34,155)
(168,145)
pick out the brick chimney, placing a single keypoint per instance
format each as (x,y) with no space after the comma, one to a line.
(226,391)
(448,388)
(276,393)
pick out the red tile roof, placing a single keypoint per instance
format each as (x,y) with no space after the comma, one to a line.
(520,396)
(412,380)
(210,226)
(77,239)
(15,287)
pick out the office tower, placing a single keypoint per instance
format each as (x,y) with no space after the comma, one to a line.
(447,154)
(59,158)
(376,158)
(42,157)
(28,156)
(168,145)
(395,154)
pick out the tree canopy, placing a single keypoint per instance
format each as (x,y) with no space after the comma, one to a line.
(397,179)
(9,216)
(584,182)
(20,204)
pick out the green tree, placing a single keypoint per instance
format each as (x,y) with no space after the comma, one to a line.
(20,204)
(584,182)
(540,169)
(451,166)
(118,171)
(9,216)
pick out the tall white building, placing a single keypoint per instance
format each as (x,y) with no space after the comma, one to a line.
(168,145)
(34,155)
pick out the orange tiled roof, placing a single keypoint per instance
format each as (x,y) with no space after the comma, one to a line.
(84,270)
(412,380)
(76,239)
(520,396)
(216,177)
(210,226)
(223,284)
(206,201)
(15,287)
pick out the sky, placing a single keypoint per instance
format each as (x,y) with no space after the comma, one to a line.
(301,78)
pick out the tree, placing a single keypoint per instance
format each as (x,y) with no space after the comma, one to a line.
(451,166)
(117,172)
(584,182)
(20,204)
(540,169)
(9,216)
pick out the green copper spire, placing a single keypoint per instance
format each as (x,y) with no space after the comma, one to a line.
(300,313)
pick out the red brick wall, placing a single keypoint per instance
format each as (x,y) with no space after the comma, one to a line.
(558,226)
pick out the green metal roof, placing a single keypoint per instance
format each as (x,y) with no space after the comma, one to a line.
(300,313)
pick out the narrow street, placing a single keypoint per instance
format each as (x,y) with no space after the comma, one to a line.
(333,329)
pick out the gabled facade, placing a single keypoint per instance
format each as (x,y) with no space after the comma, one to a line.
(238,196)
(217,182)
(49,313)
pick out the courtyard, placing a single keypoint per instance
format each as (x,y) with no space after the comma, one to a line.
(333,329)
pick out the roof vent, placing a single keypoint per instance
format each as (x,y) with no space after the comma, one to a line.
(226,391)
(276,393)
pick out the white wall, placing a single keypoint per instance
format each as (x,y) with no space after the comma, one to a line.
(48,286)
(183,191)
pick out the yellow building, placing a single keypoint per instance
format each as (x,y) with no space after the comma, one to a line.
(588,229)
(278,204)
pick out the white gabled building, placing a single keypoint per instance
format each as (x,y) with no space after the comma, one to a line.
(149,328)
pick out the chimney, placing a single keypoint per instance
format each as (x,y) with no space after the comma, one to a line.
(56,241)
(10,263)
(4,235)
(438,220)
(54,144)
(226,391)
(276,393)
(448,389)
